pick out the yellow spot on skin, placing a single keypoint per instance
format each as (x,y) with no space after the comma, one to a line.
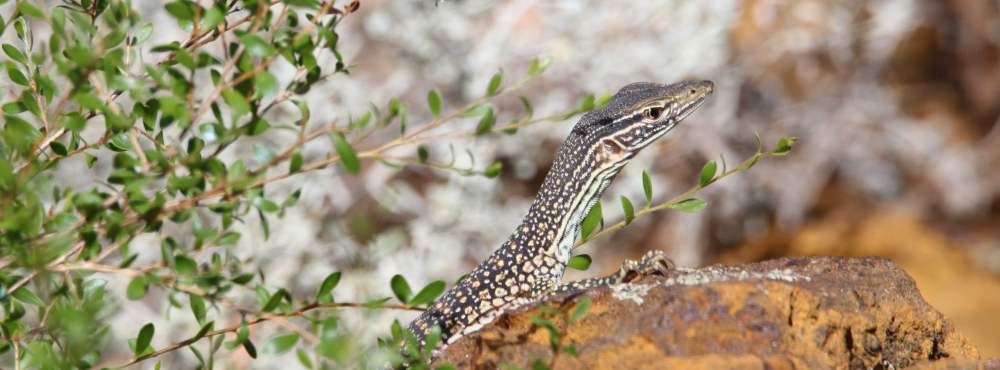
(497,302)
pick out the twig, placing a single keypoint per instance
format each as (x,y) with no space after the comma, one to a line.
(269,317)
(745,165)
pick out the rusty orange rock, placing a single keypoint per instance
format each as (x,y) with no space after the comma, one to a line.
(793,313)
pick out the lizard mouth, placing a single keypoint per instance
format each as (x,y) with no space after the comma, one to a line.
(690,108)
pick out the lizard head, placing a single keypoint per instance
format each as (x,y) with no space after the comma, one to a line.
(636,116)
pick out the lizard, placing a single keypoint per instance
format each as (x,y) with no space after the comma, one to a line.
(531,263)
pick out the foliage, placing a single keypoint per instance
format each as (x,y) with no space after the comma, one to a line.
(154,122)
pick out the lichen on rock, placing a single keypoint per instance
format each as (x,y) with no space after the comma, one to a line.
(795,313)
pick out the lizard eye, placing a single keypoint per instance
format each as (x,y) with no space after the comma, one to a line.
(652,113)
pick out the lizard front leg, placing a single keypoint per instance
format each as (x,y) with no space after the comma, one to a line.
(654,262)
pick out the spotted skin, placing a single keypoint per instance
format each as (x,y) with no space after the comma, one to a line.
(531,263)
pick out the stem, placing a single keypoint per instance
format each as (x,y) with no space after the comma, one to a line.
(264,317)
(672,202)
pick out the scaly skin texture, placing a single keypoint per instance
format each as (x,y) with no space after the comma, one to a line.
(530,264)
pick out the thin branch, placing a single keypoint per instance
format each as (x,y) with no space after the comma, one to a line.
(672,202)
(264,318)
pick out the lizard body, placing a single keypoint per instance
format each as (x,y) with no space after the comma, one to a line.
(530,264)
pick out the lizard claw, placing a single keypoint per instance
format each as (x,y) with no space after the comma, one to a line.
(654,262)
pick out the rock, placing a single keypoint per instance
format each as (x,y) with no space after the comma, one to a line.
(792,313)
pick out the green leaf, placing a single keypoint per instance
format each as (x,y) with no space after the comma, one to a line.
(88,100)
(242,334)
(400,288)
(179,10)
(591,221)
(144,338)
(493,170)
(119,143)
(184,265)
(628,209)
(266,85)
(528,109)
(30,10)
(784,146)
(538,65)
(295,164)
(236,102)
(256,45)
(603,100)
(434,103)
(303,112)
(19,134)
(428,294)
(327,286)
(422,154)
(15,75)
(14,107)
(137,288)
(486,122)
(90,159)
(580,262)
(143,33)
(689,205)
(229,238)
(257,126)
(304,358)
(280,344)
(347,155)
(586,104)
(213,16)
(14,53)
(27,296)
(494,85)
(360,122)
(251,350)
(707,173)
(197,307)
(274,301)
(58,148)
(647,187)
(204,330)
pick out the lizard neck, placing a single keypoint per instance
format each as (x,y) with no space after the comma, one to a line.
(569,191)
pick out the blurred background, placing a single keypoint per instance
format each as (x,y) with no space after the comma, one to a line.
(895,104)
